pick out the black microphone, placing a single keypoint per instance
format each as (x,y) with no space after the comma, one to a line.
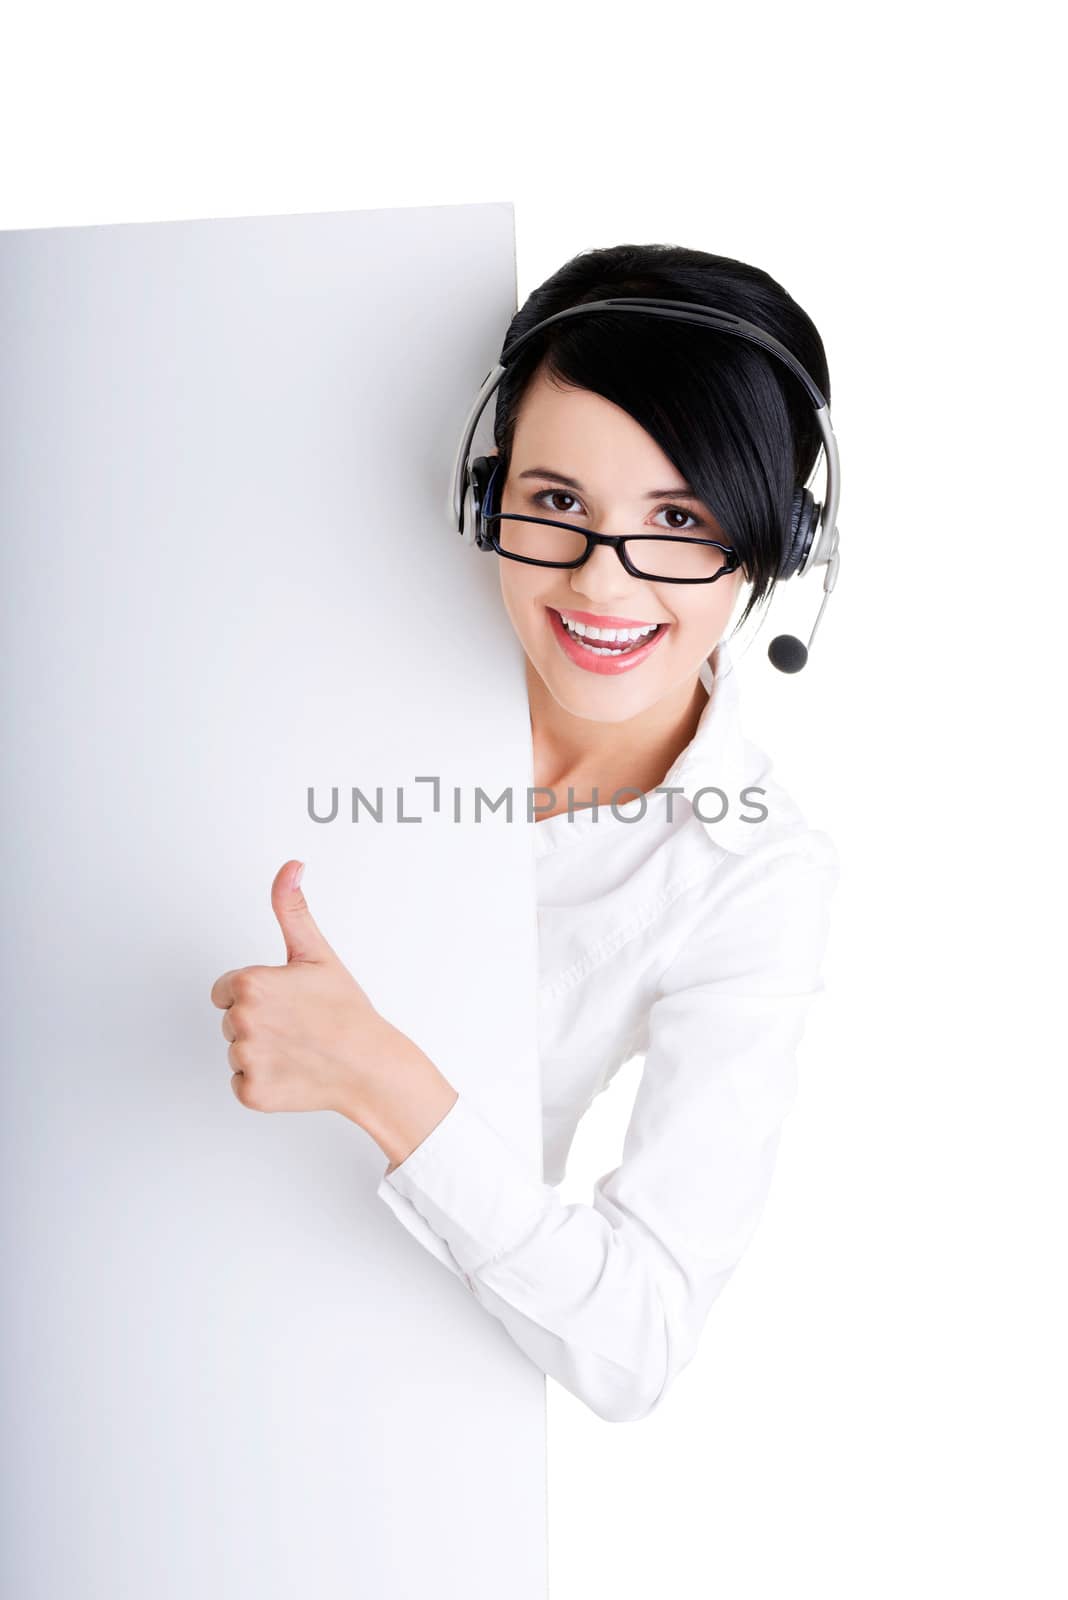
(788,653)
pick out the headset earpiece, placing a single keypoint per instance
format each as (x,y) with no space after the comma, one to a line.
(804,520)
(483,494)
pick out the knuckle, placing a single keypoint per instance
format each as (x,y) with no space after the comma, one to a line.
(243,1090)
(240,1056)
(244,985)
(255,1096)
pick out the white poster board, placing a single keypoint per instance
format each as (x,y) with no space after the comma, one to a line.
(227,574)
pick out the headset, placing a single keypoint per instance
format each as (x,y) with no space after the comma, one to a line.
(813,536)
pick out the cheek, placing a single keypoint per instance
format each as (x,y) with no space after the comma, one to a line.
(700,613)
(520,589)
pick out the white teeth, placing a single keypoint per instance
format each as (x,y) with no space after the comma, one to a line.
(583,630)
(585,635)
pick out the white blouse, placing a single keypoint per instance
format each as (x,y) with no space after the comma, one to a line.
(697,943)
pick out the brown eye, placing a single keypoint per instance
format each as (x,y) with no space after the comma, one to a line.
(540,499)
(686,515)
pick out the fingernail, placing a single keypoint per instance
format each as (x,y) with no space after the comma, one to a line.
(298,876)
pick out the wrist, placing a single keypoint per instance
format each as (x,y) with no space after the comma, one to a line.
(401,1099)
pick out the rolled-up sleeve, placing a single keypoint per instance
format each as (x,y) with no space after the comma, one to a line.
(610,1298)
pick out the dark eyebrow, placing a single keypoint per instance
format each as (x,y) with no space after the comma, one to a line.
(681,493)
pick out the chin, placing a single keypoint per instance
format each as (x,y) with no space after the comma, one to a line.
(597,698)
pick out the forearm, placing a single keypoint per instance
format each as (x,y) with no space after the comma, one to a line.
(405,1100)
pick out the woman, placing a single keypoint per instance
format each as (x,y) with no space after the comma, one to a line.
(682,898)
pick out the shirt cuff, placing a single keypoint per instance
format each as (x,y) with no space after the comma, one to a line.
(470,1197)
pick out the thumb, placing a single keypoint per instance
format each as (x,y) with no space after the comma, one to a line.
(304,942)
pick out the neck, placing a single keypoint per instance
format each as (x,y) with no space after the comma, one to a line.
(634,756)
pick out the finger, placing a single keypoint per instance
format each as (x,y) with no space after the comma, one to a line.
(241,983)
(304,942)
(222,993)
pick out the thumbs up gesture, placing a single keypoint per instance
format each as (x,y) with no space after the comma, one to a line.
(303,1037)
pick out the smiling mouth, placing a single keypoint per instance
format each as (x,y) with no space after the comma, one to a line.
(610,641)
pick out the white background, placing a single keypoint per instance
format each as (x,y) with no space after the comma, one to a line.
(879,1403)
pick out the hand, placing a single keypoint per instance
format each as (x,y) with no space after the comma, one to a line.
(303,1037)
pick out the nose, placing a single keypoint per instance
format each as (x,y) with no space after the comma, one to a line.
(603,576)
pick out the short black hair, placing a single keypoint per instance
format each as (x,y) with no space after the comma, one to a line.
(731,417)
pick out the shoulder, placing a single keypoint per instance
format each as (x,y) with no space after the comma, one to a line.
(759,926)
(763,826)
(761,911)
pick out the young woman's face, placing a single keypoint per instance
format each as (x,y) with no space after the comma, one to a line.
(573,433)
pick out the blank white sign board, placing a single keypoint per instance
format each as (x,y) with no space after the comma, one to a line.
(228,579)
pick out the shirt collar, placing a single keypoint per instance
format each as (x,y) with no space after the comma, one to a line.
(714,760)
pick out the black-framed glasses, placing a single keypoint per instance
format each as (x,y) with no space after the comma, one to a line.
(662,558)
